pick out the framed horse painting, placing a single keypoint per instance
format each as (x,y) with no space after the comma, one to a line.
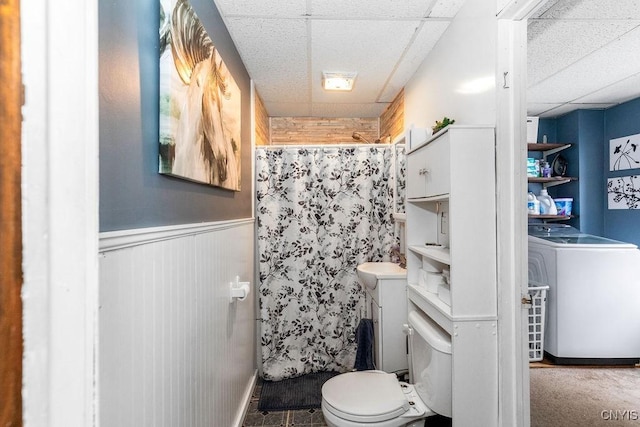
(200,108)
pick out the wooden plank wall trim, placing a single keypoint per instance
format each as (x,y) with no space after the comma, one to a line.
(10,217)
(316,130)
(262,122)
(392,119)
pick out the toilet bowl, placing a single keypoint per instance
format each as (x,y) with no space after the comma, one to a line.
(378,399)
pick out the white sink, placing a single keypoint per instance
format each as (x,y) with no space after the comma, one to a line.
(370,272)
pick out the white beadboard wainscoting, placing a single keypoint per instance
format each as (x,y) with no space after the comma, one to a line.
(172,349)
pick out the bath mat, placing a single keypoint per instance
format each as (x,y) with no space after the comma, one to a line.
(304,392)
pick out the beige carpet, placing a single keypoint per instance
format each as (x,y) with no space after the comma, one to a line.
(585,397)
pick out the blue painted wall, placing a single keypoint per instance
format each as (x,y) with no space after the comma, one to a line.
(590,131)
(587,127)
(132,192)
(622,120)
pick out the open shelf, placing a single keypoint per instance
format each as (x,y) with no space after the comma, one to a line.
(547,149)
(551,181)
(438,253)
(438,198)
(552,217)
(433,306)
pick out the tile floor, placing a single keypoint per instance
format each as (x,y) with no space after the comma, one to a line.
(304,417)
(299,418)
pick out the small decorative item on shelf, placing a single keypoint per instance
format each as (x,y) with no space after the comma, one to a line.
(559,166)
(446,121)
(545,169)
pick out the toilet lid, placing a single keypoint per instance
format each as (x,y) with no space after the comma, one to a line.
(365,396)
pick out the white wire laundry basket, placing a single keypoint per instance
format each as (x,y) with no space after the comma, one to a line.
(538,295)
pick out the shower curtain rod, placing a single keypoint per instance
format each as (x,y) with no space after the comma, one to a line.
(323,145)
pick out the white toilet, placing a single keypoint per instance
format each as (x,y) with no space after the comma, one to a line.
(378,399)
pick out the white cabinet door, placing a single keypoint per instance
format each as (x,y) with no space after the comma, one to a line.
(437,168)
(428,170)
(416,182)
(376,317)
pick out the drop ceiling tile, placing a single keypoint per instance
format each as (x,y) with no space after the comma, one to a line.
(255,8)
(274,52)
(283,90)
(561,109)
(553,46)
(537,110)
(366,9)
(569,107)
(595,9)
(446,8)
(426,38)
(622,91)
(370,48)
(600,69)
(542,9)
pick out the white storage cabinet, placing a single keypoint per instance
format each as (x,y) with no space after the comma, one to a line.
(451,202)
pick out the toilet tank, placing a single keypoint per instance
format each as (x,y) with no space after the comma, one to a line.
(430,362)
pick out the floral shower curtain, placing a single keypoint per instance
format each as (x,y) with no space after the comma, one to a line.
(320,213)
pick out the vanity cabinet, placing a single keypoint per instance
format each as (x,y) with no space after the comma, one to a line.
(451,224)
(387,308)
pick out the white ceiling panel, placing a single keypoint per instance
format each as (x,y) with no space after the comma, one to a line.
(255,8)
(261,40)
(536,110)
(622,91)
(569,107)
(286,44)
(555,45)
(446,8)
(591,9)
(591,73)
(424,41)
(370,9)
(361,46)
(582,53)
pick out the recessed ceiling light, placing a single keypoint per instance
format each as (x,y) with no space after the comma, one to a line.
(338,80)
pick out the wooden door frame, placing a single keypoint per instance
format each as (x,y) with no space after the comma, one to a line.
(10,217)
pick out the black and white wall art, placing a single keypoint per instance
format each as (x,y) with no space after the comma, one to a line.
(624,153)
(624,192)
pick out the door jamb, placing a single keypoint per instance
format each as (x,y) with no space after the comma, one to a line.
(512,218)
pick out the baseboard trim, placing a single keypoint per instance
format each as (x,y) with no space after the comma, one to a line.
(246,400)
(591,361)
(114,240)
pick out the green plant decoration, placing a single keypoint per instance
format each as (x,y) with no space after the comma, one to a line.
(446,121)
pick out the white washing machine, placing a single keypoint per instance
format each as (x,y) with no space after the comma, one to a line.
(593,302)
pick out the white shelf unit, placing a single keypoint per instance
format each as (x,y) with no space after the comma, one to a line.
(451,202)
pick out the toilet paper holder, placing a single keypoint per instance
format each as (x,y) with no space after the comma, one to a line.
(238,290)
